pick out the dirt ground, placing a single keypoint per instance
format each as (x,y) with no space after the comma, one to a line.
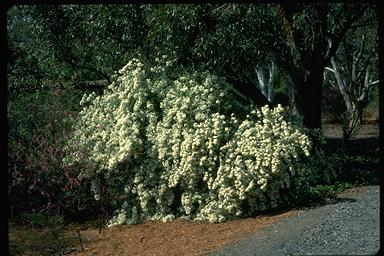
(365,141)
(366,131)
(173,238)
(179,237)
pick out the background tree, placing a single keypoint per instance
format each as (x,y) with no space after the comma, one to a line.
(24,70)
(77,42)
(227,39)
(307,28)
(235,43)
(216,37)
(354,71)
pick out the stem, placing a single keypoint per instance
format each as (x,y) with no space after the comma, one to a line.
(81,242)
(99,223)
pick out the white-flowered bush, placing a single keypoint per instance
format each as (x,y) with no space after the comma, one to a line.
(187,147)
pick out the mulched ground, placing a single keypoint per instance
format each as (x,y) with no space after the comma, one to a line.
(179,237)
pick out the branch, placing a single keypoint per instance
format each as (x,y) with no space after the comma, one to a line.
(235,91)
(367,62)
(355,61)
(288,31)
(271,81)
(366,80)
(272,74)
(348,58)
(92,85)
(221,8)
(342,86)
(366,87)
(375,82)
(365,25)
(250,91)
(74,64)
(336,39)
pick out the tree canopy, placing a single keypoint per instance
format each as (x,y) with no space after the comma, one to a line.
(90,42)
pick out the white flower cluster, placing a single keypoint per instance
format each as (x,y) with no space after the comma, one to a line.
(183,148)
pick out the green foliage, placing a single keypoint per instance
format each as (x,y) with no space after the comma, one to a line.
(23,68)
(187,147)
(330,191)
(320,193)
(84,43)
(39,220)
(350,170)
(71,42)
(31,59)
(360,169)
(226,39)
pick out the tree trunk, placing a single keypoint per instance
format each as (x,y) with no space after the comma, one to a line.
(267,84)
(305,63)
(307,98)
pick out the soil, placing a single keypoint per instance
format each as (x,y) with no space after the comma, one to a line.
(365,141)
(366,131)
(179,237)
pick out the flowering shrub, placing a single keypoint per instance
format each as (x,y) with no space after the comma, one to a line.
(186,147)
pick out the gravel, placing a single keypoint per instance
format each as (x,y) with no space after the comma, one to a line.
(347,225)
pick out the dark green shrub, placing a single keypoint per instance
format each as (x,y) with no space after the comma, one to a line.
(39,220)
(38,125)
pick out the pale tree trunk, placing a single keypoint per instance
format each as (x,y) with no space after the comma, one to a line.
(267,84)
(342,84)
(355,90)
(271,82)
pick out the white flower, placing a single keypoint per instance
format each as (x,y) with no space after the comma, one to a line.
(161,136)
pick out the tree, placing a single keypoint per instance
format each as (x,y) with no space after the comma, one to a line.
(229,40)
(354,71)
(24,71)
(307,28)
(76,42)
(215,37)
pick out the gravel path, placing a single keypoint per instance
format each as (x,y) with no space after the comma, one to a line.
(348,225)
